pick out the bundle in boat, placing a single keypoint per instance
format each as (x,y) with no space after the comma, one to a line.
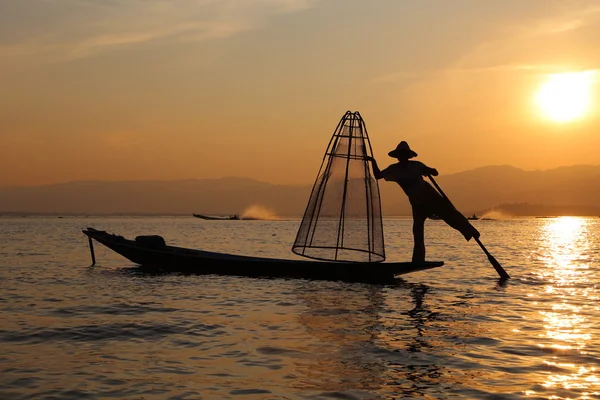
(342,221)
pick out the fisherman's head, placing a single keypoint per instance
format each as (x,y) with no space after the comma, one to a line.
(402,151)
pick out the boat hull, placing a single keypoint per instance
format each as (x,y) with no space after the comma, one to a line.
(235,218)
(178,259)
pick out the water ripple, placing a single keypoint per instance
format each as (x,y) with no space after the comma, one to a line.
(110,332)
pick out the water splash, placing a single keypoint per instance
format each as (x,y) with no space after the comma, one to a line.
(497,214)
(257,211)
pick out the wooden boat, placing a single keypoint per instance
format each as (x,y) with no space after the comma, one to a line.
(230,218)
(151,252)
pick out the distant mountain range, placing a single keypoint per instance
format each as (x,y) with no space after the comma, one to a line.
(571,190)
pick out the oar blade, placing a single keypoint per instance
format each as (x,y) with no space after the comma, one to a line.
(503,274)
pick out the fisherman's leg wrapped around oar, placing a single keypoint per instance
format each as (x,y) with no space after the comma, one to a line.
(429,202)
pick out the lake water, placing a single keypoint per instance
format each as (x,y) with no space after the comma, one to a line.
(71,331)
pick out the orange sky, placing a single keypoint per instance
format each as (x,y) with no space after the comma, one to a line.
(124,90)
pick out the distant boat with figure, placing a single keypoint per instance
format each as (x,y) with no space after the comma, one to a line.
(229,218)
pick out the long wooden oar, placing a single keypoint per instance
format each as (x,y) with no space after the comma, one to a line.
(503,274)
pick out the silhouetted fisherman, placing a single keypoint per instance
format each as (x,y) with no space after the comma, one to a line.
(424,199)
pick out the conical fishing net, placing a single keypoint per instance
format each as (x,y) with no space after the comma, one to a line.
(342,221)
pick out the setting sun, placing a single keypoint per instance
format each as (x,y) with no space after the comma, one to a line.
(566,97)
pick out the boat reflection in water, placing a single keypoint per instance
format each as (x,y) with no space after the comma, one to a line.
(359,356)
(566,249)
(343,320)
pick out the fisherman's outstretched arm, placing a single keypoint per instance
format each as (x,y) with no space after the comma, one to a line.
(376,171)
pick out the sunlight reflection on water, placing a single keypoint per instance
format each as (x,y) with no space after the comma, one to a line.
(565,244)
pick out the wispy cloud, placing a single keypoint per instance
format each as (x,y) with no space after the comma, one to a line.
(514,44)
(571,20)
(411,76)
(67,29)
(538,39)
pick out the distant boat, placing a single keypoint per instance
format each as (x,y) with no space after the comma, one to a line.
(473,218)
(230,218)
